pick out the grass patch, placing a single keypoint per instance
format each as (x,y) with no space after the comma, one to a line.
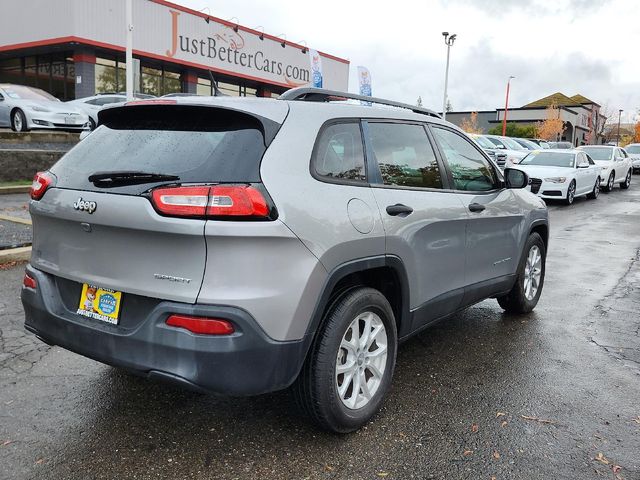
(15,183)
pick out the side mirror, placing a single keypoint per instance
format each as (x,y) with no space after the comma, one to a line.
(500,147)
(515,178)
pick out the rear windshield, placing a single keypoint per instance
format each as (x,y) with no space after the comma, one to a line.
(196,144)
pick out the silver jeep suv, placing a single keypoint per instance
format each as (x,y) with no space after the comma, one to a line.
(243,246)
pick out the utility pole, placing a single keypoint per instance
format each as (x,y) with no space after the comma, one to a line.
(129,49)
(506,108)
(448,40)
(619,115)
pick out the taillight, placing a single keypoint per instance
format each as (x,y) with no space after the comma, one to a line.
(216,201)
(182,201)
(41,181)
(201,325)
(29,281)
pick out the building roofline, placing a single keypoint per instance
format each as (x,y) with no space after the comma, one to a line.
(471,111)
(538,108)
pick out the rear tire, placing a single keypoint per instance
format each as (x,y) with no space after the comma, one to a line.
(326,394)
(526,292)
(596,190)
(627,181)
(92,124)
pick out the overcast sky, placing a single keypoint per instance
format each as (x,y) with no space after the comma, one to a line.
(572,46)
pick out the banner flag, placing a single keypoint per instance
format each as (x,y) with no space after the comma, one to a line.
(364,78)
(316,69)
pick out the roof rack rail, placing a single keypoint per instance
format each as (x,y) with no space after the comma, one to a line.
(309,94)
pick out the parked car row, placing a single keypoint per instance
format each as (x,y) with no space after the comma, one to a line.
(563,174)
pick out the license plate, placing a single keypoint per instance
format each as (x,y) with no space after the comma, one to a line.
(69,121)
(100,303)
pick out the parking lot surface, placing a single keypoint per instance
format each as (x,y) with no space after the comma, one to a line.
(553,394)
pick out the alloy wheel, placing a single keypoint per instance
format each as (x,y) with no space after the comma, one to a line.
(532,272)
(627,181)
(361,360)
(17,121)
(610,183)
(596,188)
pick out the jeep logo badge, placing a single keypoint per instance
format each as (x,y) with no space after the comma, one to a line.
(88,207)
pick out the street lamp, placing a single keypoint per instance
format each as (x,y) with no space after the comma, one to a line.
(448,40)
(506,107)
(619,115)
(129,49)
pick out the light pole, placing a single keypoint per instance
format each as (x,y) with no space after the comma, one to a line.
(619,115)
(506,107)
(129,49)
(448,40)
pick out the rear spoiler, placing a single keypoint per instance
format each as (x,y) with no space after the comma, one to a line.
(168,114)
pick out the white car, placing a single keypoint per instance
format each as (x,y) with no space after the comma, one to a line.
(633,150)
(616,165)
(25,108)
(561,174)
(514,151)
(92,105)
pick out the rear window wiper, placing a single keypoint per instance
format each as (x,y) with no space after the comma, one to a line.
(124,177)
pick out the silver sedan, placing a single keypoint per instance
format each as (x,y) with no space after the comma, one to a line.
(25,108)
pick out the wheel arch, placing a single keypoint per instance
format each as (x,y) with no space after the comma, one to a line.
(541,228)
(385,273)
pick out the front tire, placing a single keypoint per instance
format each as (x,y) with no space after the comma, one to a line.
(571,193)
(596,190)
(349,368)
(18,121)
(627,181)
(526,292)
(610,182)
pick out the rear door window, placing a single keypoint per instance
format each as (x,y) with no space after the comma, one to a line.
(339,154)
(404,155)
(197,144)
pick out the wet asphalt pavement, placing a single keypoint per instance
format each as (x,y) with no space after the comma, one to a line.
(553,394)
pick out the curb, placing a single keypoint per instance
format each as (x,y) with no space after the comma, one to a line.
(20,254)
(15,189)
(9,218)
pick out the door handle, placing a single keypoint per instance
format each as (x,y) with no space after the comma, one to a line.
(399,210)
(476,207)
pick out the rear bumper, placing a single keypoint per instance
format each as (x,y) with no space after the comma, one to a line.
(247,362)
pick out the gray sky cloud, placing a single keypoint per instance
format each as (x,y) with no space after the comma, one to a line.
(573,46)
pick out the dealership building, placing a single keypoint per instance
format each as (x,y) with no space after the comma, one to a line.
(76,48)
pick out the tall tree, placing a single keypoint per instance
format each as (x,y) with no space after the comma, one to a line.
(449,107)
(419,102)
(470,124)
(552,126)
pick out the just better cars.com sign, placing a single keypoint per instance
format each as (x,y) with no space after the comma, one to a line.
(182,36)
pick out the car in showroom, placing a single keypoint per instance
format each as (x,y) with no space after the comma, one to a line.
(562,174)
(93,104)
(26,108)
(633,151)
(617,166)
(496,154)
(245,245)
(514,151)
